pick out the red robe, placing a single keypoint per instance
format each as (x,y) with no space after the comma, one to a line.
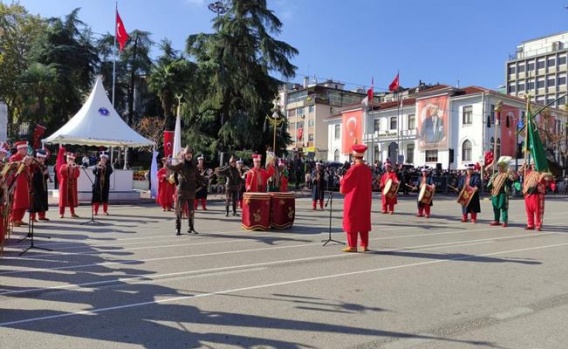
(257,178)
(384,178)
(357,187)
(21,192)
(68,186)
(166,190)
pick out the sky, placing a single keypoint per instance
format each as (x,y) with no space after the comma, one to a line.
(458,43)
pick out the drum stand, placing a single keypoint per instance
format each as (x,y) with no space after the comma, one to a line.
(330,202)
(92,221)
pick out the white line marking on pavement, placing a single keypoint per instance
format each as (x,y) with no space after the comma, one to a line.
(512,313)
(283,283)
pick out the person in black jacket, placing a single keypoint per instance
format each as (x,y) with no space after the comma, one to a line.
(101,184)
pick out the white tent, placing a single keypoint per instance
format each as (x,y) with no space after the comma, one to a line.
(98,124)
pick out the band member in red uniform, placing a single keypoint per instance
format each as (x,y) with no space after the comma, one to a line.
(357,187)
(424,209)
(21,193)
(534,189)
(472,179)
(68,174)
(101,185)
(257,177)
(166,189)
(388,201)
(283,168)
(39,178)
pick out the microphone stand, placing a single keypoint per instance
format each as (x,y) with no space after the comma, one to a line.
(32,198)
(92,221)
(330,202)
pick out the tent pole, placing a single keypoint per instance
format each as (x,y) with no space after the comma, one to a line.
(125,158)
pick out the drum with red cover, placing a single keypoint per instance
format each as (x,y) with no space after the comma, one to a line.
(282,210)
(256,211)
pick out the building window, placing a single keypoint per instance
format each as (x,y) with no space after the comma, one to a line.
(300,111)
(337,131)
(530,66)
(562,60)
(512,69)
(300,124)
(497,149)
(411,122)
(376,125)
(291,112)
(521,86)
(551,62)
(467,117)
(311,137)
(410,153)
(540,63)
(336,155)
(311,123)
(432,155)
(393,123)
(561,79)
(466,150)
(521,68)
(512,89)
(540,83)
(311,109)
(530,84)
(550,81)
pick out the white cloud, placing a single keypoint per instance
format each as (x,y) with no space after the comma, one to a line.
(195,2)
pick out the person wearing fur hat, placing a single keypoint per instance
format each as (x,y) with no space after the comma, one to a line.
(232,184)
(357,187)
(390,200)
(69,174)
(187,180)
(500,186)
(425,178)
(534,190)
(40,176)
(101,185)
(257,177)
(166,190)
(21,200)
(472,179)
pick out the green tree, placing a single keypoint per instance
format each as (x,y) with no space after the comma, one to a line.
(234,67)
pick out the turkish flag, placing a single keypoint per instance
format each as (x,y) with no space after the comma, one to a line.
(394,85)
(121,34)
(38,133)
(168,143)
(59,161)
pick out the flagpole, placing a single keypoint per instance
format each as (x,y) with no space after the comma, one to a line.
(398,118)
(114,52)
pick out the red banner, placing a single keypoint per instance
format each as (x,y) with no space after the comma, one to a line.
(168,143)
(38,133)
(352,129)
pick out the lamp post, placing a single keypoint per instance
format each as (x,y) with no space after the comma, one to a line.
(218,7)
(275,121)
(497,124)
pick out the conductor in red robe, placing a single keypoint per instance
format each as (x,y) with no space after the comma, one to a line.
(166,190)
(257,177)
(357,187)
(68,174)
(21,192)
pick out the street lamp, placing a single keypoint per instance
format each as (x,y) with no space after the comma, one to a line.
(497,124)
(218,7)
(275,121)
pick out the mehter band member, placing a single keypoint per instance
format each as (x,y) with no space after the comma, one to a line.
(69,174)
(257,177)
(389,200)
(166,186)
(357,187)
(188,181)
(40,176)
(471,180)
(21,192)
(534,190)
(233,184)
(425,179)
(318,186)
(500,186)
(101,185)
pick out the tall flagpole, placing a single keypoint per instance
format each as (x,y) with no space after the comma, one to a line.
(398,119)
(114,51)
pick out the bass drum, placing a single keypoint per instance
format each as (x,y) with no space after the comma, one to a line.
(466,195)
(426,194)
(391,188)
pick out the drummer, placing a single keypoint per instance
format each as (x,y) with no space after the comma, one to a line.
(388,201)
(425,179)
(470,181)
(257,177)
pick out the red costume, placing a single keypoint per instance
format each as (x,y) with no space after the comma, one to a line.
(68,174)
(357,187)
(166,190)
(534,189)
(21,201)
(388,201)
(258,177)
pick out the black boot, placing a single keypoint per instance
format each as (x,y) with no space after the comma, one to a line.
(227,208)
(178,226)
(191,228)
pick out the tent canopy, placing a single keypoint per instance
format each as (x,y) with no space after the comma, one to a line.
(98,124)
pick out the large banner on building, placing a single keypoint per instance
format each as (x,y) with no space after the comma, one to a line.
(433,123)
(508,124)
(351,129)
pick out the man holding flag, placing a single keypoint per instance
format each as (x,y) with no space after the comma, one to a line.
(535,176)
